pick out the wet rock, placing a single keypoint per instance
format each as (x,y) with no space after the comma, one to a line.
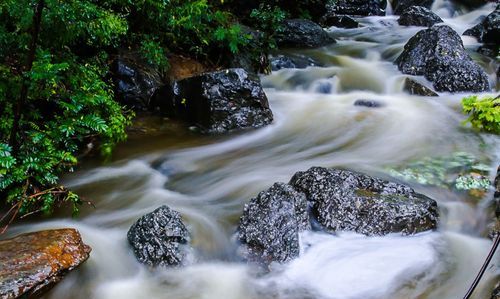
(488,30)
(348,201)
(400,6)
(159,238)
(222,101)
(135,82)
(339,21)
(291,62)
(30,264)
(357,7)
(419,16)
(270,225)
(368,103)
(496,292)
(472,3)
(439,55)
(416,88)
(300,33)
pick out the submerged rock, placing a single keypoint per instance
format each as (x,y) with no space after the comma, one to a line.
(135,82)
(357,7)
(348,201)
(300,33)
(339,21)
(439,55)
(30,264)
(159,238)
(416,88)
(368,103)
(419,16)
(222,101)
(270,225)
(400,6)
(291,62)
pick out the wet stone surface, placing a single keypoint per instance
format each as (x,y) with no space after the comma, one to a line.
(270,225)
(419,16)
(30,264)
(159,238)
(438,54)
(300,33)
(348,201)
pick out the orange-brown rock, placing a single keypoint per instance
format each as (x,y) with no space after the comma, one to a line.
(31,263)
(183,67)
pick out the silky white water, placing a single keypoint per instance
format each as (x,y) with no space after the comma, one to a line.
(208,180)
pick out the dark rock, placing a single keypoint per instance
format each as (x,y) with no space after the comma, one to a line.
(350,201)
(368,103)
(489,50)
(472,3)
(30,264)
(496,292)
(300,33)
(357,7)
(222,101)
(488,30)
(270,225)
(291,62)
(159,238)
(419,16)
(339,21)
(400,6)
(135,82)
(417,88)
(439,55)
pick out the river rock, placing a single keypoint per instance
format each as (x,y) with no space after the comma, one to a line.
(222,101)
(279,62)
(159,238)
(416,88)
(357,7)
(368,103)
(400,6)
(348,201)
(339,21)
(270,225)
(300,33)
(439,55)
(419,16)
(488,30)
(30,264)
(135,82)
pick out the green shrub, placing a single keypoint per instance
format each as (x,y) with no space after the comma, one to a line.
(484,113)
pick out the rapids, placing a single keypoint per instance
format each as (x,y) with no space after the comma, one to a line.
(208,180)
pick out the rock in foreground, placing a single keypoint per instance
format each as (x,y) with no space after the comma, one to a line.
(270,225)
(348,201)
(300,33)
(30,264)
(158,238)
(419,16)
(222,101)
(439,55)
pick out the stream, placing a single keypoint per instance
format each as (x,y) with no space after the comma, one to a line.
(209,179)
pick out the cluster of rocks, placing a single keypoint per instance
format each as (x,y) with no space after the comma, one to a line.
(334,200)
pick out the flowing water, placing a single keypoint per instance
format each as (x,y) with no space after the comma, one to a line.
(208,180)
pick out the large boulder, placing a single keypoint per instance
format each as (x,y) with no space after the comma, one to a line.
(488,31)
(438,54)
(348,201)
(339,21)
(270,225)
(30,264)
(135,82)
(400,6)
(357,7)
(222,101)
(300,33)
(419,16)
(159,238)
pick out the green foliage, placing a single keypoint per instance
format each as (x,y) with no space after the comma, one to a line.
(68,103)
(269,21)
(154,54)
(484,113)
(460,171)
